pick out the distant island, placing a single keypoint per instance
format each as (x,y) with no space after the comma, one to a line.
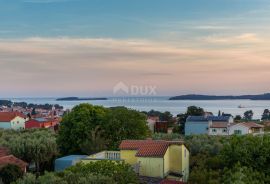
(265,96)
(78,99)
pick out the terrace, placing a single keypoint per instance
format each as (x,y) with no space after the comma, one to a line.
(105,155)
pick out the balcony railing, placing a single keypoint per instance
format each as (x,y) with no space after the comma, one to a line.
(105,155)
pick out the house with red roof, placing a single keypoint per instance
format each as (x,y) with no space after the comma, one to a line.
(6,158)
(12,120)
(157,158)
(41,123)
(151,158)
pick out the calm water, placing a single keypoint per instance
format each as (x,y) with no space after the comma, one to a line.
(163,104)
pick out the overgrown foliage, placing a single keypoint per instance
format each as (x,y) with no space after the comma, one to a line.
(120,172)
(236,159)
(102,172)
(89,129)
(10,173)
(36,146)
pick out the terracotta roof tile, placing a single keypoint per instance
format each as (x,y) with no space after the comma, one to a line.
(148,148)
(252,125)
(10,159)
(8,116)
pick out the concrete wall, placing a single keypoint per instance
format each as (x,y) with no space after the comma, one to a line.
(196,127)
(151,167)
(244,130)
(219,131)
(185,163)
(5,125)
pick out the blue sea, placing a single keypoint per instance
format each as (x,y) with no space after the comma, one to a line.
(163,104)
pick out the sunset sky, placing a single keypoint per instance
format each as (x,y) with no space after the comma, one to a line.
(51,48)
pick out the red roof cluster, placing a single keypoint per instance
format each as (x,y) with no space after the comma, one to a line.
(148,148)
(6,158)
(8,116)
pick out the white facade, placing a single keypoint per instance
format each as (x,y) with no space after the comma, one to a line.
(18,123)
(238,129)
(218,131)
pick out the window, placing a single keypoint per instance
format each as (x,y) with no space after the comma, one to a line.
(18,122)
(237,132)
(224,130)
(214,130)
(185,153)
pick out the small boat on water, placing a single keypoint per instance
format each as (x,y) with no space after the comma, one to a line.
(241,107)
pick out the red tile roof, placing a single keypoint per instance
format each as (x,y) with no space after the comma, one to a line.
(8,116)
(4,152)
(252,125)
(148,148)
(10,159)
(6,158)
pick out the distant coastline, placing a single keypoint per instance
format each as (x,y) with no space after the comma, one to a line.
(79,99)
(265,96)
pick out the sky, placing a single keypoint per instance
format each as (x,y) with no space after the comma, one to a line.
(52,48)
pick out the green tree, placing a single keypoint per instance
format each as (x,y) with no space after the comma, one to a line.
(122,123)
(77,125)
(10,173)
(237,118)
(248,115)
(120,172)
(37,146)
(191,111)
(243,175)
(94,142)
(266,115)
(66,177)
(195,111)
(249,151)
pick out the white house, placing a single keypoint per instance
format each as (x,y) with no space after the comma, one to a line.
(12,120)
(246,128)
(219,128)
(211,125)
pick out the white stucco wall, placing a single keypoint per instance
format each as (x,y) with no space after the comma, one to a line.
(219,131)
(18,123)
(239,127)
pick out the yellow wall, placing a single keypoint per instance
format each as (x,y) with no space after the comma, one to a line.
(129,156)
(167,163)
(151,167)
(185,163)
(175,158)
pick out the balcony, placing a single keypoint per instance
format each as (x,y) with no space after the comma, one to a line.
(105,155)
